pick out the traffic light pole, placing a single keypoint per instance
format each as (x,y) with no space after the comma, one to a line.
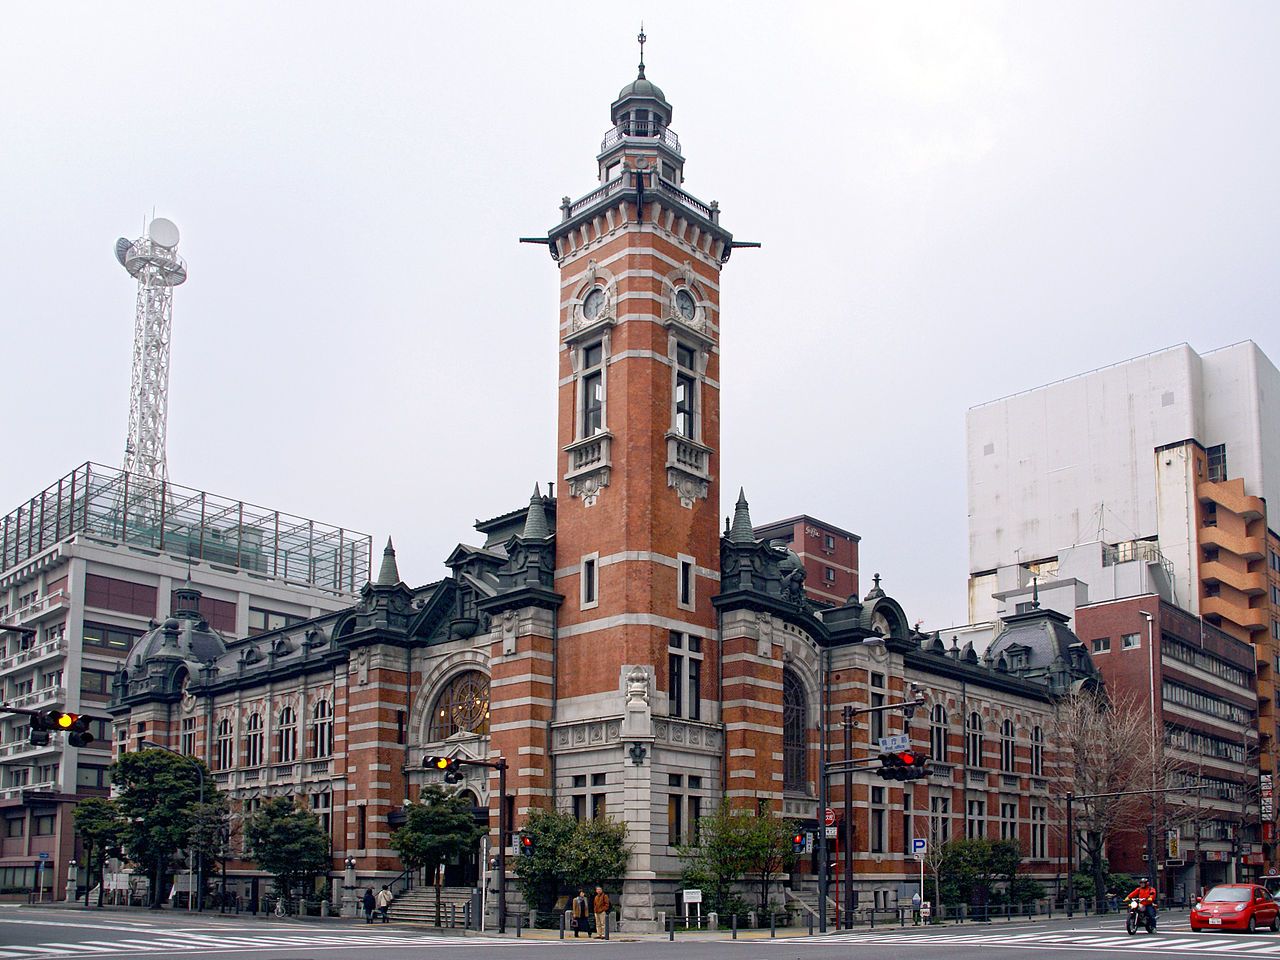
(504,828)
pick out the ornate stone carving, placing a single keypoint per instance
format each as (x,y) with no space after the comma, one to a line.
(637,687)
(587,487)
(688,488)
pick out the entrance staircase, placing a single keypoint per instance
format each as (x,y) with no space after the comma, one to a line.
(418,905)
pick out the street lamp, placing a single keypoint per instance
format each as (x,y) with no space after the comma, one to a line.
(152,745)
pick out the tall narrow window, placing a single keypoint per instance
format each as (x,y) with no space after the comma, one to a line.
(684,405)
(939,821)
(877,718)
(188,742)
(322,726)
(973,740)
(1008,821)
(938,733)
(226,745)
(1008,747)
(287,736)
(1037,752)
(322,807)
(590,577)
(877,820)
(592,420)
(675,680)
(253,742)
(976,819)
(795,734)
(1039,835)
(685,585)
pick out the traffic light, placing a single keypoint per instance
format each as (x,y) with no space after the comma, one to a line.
(903,765)
(448,765)
(74,725)
(526,845)
(797,843)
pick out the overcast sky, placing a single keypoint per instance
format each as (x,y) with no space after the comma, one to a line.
(956,202)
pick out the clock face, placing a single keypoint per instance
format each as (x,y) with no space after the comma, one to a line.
(685,304)
(593,304)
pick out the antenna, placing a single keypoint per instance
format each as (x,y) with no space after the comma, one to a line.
(642,38)
(153,261)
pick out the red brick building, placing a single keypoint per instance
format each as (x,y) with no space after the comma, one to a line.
(623,656)
(829,555)
(1199,684)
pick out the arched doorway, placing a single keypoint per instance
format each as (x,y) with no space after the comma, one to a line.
(466,871)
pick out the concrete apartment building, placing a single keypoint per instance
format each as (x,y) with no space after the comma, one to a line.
(1147,480)
(91,563)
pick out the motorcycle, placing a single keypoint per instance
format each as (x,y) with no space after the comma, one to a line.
(1138,916)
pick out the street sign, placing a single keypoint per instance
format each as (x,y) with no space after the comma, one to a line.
(43,856)
(926,909)
(693,896)
(899,741)
(919,845)
(833,832)
(829,818)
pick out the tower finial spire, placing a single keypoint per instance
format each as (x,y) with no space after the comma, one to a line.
(642,38)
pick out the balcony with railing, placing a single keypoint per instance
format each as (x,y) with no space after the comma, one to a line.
(588,454)
(689,456)
(643,132)
(41,609)
(50,649)
(46,697)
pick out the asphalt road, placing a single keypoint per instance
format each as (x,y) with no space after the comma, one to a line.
(51,934)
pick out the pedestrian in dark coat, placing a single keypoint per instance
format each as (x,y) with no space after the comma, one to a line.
(369,904)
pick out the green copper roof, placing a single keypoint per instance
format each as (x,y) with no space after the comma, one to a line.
(388,575)
(741,531)
(535,521)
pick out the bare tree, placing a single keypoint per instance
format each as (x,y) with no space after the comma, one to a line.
(1111,746)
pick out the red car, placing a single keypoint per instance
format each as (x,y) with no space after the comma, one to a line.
(1236,906)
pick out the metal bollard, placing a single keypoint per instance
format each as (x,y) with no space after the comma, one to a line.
(671,929)
(517,924)
(735,924)
(607,918)
(773,924)
(561,924)
(811,924)
(873,918)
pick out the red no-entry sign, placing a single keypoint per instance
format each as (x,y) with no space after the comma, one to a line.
(829,818)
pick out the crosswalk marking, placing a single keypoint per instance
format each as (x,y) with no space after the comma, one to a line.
(168,942)
(1177,943)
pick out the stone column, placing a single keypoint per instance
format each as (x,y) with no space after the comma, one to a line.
(638,914)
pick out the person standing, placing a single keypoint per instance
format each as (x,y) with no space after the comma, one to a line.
(369,904)
(581,911)
(600,907)
(383,900)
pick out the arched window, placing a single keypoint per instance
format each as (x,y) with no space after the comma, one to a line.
(253,741)
(287,736)
(322,729)
(973,740)
(1008,752)
(226,748)
(938,733)
(795,734)
(462,707)
(1037,752)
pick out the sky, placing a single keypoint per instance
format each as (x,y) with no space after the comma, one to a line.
(955,202)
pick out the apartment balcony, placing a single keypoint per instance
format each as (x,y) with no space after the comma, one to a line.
(15,793)
(50,650)
(48,697)
(1215,609)
(1230,495)
(1250,548)
(44,608)
(24,750)
(1250,584)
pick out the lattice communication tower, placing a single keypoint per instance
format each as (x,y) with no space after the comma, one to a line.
(153,259)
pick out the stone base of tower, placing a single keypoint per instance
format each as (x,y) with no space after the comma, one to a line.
(638,912)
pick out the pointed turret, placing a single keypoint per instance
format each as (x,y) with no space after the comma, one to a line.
(741,531)
(388,575)
(535,521)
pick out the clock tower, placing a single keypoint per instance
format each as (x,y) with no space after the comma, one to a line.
(637,727)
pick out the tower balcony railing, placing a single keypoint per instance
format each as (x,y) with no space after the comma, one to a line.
(590,453)
(640,130)
(688,455)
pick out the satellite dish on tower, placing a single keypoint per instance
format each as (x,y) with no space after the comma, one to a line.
(163,232)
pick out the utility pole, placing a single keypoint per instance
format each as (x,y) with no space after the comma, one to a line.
(847,722)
